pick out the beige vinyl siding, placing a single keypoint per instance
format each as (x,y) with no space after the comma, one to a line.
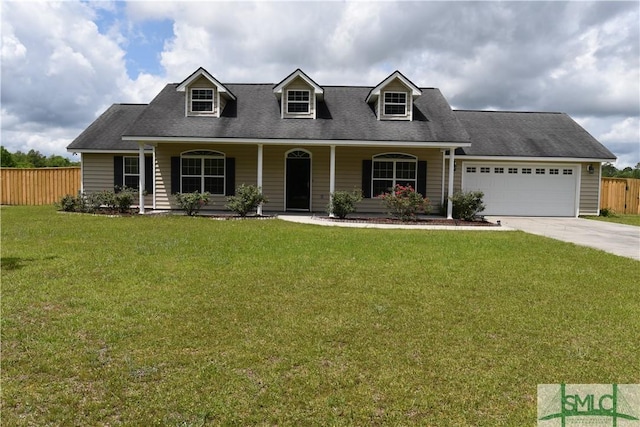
(246,158)
(274,176)
(395,86)
(589,189)
(349,172)
(97,172)
(298,84)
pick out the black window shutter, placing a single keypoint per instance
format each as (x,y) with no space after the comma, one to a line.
(118,173)
(230,176)
(148,174)
(175,175)
(366,178)
(422,178)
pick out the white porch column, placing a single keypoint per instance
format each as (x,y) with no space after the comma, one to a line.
(260,157)
(141,183)
(332,175)
(452,166)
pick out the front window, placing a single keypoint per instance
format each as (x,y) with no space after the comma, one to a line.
(202,171)
(202,100)
(131,171)
(395,104)
(393,169)
(298,101)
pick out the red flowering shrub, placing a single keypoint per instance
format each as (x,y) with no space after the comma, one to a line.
(404,203)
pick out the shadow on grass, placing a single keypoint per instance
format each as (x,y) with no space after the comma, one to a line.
(16,263)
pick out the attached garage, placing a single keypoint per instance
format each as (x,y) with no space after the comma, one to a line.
(524,189)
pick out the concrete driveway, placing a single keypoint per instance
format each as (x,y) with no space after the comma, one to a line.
(618,239)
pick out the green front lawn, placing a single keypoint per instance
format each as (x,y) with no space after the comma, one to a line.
(618,218)
(191,321)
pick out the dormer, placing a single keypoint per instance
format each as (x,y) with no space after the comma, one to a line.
(204,95)
(393,98)
(298,95)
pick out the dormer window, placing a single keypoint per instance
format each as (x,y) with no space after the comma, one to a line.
(204,95)
(202,100)
(298,96)
(393,98)
(298,101)
(395,103)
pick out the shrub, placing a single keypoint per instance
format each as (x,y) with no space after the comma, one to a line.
(117,201)
(92,202)
(89,203)
(191,203)
(467,205)
(246,199)
(607,212)
(343,203)
(124,199)
(78,203)
(68,203)
(404,203)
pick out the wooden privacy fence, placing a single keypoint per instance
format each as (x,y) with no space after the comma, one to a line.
(41,186)
(620,194)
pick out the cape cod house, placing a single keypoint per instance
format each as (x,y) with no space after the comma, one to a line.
(300,142)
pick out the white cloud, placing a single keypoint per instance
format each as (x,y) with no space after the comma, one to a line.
(59,69)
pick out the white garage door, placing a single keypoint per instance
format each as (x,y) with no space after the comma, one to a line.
(523,189)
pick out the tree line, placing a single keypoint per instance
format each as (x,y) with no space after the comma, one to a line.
(33,159)
(610,171)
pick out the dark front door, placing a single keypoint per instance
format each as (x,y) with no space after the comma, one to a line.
(298,183)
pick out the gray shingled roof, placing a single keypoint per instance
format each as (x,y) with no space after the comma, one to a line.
(343,115)
(523,134)
(105,133)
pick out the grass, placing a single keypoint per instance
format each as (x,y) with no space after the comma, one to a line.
(184,321)
(618,218)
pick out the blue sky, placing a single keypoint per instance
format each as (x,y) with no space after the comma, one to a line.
(64,63)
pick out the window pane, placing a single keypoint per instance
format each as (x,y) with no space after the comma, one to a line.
(383,169)
(191,166)
(395,98)
(214,185)
(131,181)
(190,184)
(381,186)
(131,165)
(214,167)
(405,170)
(298,95)
(394,109)
(298,107)
(202,106)
(202,94)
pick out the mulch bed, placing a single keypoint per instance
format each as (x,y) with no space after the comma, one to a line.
(481,222)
